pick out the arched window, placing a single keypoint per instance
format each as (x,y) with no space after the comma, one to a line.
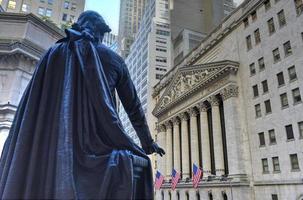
(224,195)
(169,195)
(187,196)
(162,195)
(178,195)
(210,196)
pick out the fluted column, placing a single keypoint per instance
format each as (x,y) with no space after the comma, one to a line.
(176,147)
(169,148)
(205,142)
(185,145)
(235,141)
(162,142)
(194,138)
(217,135)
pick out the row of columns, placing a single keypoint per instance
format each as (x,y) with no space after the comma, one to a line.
(169,136)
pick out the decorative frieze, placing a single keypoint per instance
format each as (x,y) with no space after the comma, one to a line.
(230,91)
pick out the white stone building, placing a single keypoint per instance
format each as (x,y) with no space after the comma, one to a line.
(234,107)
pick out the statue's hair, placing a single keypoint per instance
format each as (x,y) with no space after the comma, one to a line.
(93,21)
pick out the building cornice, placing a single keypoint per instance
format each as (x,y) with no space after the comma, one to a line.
(20,17)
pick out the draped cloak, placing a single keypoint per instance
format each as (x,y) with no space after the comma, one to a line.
(66,140)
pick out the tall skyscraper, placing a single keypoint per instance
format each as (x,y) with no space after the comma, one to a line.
(131,13)
(150,56)
(61,12)
(109,39)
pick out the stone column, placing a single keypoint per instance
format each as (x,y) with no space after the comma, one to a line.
(169,148)
(194,138)
(234,138)
(217,136)
(162,142)
(176,147)
(205,143)
(185,145)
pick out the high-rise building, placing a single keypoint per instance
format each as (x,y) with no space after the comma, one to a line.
(60,12)
(234,107)
(151,53)
(109,39)
(131,13)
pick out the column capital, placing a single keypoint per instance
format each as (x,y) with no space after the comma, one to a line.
(193,112)
(229,91)
(213,100)
(176,121)
(183,116)
(202,107)
(168,124)
(161,128)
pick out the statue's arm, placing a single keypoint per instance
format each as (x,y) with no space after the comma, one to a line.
(132,105)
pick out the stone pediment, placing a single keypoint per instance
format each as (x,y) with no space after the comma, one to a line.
(190,78)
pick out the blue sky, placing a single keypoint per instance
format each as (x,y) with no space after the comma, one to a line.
(109,9)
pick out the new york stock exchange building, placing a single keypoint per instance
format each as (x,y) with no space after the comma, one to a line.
(233,106)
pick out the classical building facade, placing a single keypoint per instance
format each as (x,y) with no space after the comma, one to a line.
(60,12)
(233,106)
(23,40)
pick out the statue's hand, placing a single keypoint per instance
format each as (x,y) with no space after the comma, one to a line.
(154,148)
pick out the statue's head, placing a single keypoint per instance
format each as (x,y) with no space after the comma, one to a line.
(94,22)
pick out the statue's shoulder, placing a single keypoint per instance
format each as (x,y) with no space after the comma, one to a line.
(109,55)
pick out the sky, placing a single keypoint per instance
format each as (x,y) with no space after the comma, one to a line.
(109,9)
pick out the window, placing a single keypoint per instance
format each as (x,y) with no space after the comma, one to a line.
(66,5)
(64,17)
(252,69)
(255,90)
(299,6)
(274,197)
(292,73)
(248,42)
(289,132)
(267,106)
(48,12)
(261,64)
(284,100)
(267,4)
(162,50)
(275,163)
(41,11)
(254,16)
(276,55)
(272,137)
(25,8)
(257,36)
(265,165)
(300,126)
(281,17)
(296,95)
(287,48)
(265,86)
(74,7)
(280,78)
(271,26)
(261,139)
(50,2)
(246,23)
(160,32)
(11,4)
(294,162)
(258,110)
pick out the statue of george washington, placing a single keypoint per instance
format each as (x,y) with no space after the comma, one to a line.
(66,140)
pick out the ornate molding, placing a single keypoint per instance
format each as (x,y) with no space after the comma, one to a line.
(168,125)
(188,80)
(176,121)
(229,91)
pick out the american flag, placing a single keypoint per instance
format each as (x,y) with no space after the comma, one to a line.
(175,179)
(197,175)
(159,180)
